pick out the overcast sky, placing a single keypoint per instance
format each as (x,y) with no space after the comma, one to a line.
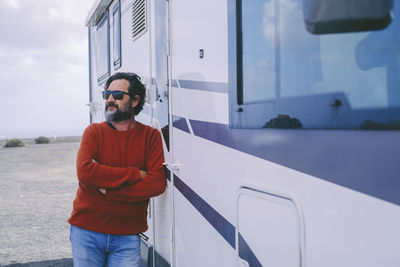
(43,67)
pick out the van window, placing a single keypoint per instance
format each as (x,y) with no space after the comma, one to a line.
(102,52)
(258,51)
(290,78)
(117,36)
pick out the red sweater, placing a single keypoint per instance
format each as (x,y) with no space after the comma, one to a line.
(111,159)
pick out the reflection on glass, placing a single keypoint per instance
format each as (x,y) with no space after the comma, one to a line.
(117,36)
(314,73)
(101,49)
(283,122)
(258,35)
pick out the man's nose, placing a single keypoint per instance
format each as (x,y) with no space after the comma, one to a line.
(110,98)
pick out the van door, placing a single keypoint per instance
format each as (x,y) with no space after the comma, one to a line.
(162,205)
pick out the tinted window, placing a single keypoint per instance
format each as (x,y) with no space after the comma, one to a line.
(349,80)
(102,49)
(258,54)
(117,36)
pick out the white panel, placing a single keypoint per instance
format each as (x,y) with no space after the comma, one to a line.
(199,25)
(198,244)
(143,118)
(163,223)
(201,105)
(135,54)
(270,226)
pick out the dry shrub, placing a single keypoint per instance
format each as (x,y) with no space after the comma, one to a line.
(14,143)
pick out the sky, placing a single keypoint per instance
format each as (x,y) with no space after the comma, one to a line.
(43,68)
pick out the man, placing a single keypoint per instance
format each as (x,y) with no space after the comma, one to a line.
(119,167)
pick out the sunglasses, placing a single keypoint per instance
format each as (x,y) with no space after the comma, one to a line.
(117,95)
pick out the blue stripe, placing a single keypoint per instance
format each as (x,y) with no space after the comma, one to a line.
(365,161)
(220,224)
(218,133)
(246,253)
(175,83)
(223,226)
(180,123)
(159,260)
(204,86)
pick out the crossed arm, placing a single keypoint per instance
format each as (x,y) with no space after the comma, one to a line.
(142,175)
(125,184)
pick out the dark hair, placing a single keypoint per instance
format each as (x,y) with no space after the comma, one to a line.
(136,87)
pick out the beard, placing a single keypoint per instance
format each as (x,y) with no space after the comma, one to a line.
(125,113)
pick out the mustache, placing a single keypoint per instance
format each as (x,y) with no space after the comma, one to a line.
(111,104)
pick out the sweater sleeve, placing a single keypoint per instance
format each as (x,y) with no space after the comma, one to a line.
(92,173)
(153,183)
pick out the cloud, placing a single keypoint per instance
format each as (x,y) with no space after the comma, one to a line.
(30,24)
(11,4)
(43,66)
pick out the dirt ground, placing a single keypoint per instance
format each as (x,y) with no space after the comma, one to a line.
(38,185)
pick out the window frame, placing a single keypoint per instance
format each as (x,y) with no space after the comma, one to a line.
(250,115)
(103,20)
(239,112)
(117,62)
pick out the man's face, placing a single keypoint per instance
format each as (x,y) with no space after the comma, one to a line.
(119,110)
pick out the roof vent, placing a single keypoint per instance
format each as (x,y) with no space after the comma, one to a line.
(139,18)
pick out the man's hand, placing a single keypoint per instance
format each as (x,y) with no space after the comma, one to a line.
(142,174)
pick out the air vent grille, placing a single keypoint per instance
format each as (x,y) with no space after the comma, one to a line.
(139,18)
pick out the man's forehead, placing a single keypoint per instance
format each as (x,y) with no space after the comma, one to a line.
(119,84)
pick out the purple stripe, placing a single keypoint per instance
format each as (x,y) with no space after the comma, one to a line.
(180,123)
(365,161)
(246,253)
(220,224)
(223,226)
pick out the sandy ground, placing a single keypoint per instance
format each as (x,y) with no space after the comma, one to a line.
(38,185)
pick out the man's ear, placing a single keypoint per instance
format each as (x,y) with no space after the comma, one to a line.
(135,101)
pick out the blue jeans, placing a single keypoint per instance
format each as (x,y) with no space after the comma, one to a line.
(93,249)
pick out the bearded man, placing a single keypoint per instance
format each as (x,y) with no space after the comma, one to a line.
(119,167)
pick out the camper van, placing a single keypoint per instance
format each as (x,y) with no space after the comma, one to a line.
(280,122)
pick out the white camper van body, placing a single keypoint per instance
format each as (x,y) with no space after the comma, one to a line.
(238,194)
